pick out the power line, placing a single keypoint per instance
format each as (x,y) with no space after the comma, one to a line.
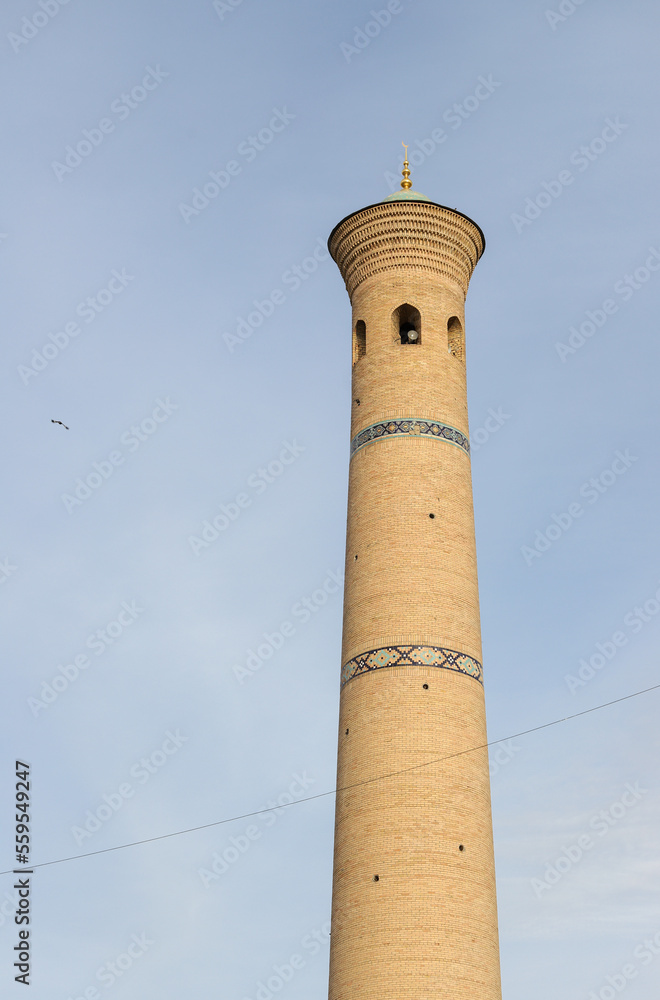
(345,788)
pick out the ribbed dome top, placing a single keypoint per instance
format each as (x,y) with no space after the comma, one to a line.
(406,196)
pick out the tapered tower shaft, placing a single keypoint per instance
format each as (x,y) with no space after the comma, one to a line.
(414,908)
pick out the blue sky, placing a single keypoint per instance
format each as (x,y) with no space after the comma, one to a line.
(123,294)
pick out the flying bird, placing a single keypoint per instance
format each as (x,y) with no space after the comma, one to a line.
(60,422)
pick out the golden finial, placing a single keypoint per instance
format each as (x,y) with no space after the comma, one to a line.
(406,183)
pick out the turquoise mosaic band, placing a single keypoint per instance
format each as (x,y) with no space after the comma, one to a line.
(407,656)
(411,427)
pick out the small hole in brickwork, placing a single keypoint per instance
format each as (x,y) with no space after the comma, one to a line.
(431,516)
(376,878)
(356,557)
(347,732)
(460,847)
(425,686)
(357,401)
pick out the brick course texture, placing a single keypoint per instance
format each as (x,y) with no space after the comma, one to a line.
(414,911)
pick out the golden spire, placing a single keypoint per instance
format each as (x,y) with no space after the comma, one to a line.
(406,183)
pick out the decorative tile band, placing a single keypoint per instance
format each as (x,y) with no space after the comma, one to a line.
(412,426)
(405,656)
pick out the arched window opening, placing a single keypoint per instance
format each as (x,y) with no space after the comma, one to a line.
(407,324)
(455,338)
(359,341)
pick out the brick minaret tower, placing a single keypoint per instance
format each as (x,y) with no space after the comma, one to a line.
(414,912)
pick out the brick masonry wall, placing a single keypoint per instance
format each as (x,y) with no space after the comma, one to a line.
(427,927)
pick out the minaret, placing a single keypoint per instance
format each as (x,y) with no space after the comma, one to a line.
(414,911)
